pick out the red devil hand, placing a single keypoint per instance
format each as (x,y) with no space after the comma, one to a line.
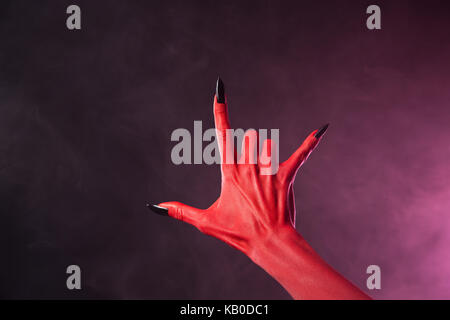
(255,213)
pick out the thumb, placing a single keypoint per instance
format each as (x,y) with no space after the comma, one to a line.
(178,210)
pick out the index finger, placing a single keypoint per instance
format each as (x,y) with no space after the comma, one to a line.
(221,119)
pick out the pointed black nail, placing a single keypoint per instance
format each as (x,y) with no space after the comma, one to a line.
(321,131)
(220,91)
(157,209)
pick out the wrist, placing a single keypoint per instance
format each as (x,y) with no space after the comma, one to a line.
(290,260)
(282,243)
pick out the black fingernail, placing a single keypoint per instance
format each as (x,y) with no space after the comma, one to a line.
(157,209)
(321,131)
(220,91)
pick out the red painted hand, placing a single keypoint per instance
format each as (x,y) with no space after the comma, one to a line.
(255,213)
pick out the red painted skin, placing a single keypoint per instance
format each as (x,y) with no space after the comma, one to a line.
(256,214)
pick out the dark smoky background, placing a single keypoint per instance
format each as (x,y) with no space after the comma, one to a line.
(86,118)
